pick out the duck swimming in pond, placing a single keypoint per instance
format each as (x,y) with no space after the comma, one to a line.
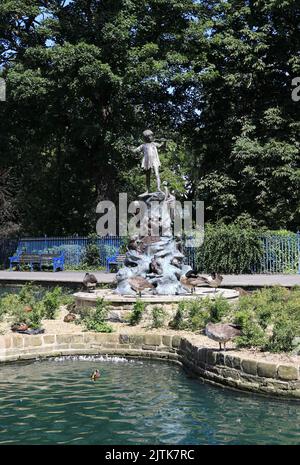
(95,375)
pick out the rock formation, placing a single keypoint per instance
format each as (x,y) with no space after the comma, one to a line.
(154,254)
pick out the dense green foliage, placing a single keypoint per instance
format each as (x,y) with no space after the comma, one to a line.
(136,315)
(229,249)
(87,76)
(270,319)
(159,316)
(52,301)
(43,304)
(95,321)
(195,314)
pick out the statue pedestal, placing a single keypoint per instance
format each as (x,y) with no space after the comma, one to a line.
(153,257)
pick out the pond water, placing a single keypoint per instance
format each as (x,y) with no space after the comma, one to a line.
(134,402)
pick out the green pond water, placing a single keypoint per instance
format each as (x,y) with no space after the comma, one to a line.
(134,402)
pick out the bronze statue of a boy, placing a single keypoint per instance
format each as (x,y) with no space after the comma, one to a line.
(151,159)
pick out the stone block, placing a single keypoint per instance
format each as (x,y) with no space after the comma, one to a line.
(228,360)
(136,339)
(106,337)
(152,339)
(124,339)
(287,372)
(220,358)
(230,373)
(64,338)
(148,347)
(211,357)
(33,341)
(202,354)
(167,341)
(176,341)
(59,347)
(111,345)
(236,362)
(77,346)
(77,339)
(249,366)
(18,340)
(5,342)
(89,337)
(266,370)
(49,339)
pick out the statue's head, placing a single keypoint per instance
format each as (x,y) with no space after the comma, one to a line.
(148,135)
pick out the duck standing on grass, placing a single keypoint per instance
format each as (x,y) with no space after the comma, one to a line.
(95,375)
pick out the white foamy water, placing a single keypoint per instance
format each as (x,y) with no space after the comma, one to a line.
(94,358)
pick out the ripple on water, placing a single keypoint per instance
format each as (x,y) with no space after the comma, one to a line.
(55,402)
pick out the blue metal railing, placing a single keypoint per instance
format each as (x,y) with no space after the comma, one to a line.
(73,247)
(281,253)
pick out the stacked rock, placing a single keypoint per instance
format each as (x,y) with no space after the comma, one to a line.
(154,262)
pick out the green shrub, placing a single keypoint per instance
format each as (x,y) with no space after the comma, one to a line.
(137,313)
(18,315)
(253,334)
(270,319)
(229,249)
(158,316)
(10,303)
(95,321)
(194,314)
(32,319)
(218,309)
(197,314)
(52,301)
(284,331)
(35,317)
(178,320)
(28,294)
(91,257)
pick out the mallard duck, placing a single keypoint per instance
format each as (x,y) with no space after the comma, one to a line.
(133,245)
(155,267)
(27,309)
(139,284)
(95,375)
(19,327)
(222,332)
(214,280)
(191,280)
(90,281)
(69,317)
(242,291)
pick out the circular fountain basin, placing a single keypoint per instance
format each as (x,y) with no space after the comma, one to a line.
(120,305)
(110,296)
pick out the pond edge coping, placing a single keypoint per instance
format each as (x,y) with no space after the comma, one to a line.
(219,368)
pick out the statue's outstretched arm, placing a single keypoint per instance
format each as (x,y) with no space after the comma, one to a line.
(161,143)
(135,149)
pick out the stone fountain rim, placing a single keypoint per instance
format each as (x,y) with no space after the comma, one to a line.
(109,296)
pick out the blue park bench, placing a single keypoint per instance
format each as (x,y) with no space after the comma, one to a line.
(40,260)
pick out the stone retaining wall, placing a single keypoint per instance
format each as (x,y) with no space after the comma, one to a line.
(217,367)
